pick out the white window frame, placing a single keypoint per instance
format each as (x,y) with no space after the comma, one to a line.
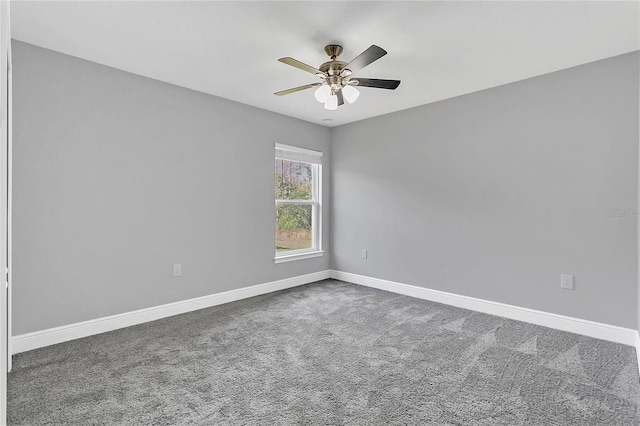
(293,153)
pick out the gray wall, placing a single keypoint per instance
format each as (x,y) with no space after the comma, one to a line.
(491,195)
(117,177)
(495,194)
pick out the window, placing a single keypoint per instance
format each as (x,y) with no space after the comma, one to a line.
(298,203)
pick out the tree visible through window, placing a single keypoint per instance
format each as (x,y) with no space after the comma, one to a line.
(297,200)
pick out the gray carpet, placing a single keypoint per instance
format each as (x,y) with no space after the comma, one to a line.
(329,353)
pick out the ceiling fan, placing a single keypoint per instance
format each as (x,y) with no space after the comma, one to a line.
(337,84)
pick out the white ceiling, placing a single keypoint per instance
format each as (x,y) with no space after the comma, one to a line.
(439,49)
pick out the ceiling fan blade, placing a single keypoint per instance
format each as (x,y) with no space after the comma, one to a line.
(340,98)
(373,53)
(377,83)
(296,63)
(297,89)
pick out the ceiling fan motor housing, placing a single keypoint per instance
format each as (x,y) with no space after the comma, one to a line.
(333,68)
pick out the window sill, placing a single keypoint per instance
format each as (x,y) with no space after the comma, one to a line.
(298,256)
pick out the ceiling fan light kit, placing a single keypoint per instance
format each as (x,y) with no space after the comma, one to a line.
(337,85)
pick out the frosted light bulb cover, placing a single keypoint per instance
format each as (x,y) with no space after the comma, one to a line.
(332,103)
(323,93)
(350,94)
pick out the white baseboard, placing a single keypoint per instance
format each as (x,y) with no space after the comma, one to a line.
(638,348)
(51,336)
(626,336)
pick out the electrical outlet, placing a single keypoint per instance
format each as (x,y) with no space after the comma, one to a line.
(177,270)
(364,253)
(567,281)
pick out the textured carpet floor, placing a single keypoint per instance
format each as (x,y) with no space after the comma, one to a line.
(328,353)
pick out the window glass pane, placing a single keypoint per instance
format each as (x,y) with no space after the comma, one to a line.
(293,180)
(293,227)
